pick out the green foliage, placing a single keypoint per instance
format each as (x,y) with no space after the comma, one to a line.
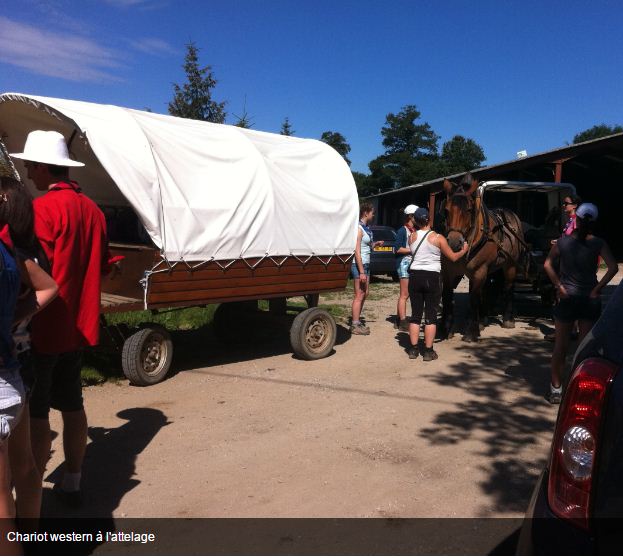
(194,99)
(410,152)
(598,131)
(461,154)
(338,142)
(364,187)
(174,320)
(286,128)
(402,135)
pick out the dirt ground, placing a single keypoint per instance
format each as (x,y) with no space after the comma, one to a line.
(247,430)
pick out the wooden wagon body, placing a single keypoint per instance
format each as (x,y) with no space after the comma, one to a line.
(212,214)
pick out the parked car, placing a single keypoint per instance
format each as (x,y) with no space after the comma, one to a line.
(577,505)
(383,258)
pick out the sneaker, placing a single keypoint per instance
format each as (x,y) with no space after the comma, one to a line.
(404,325)
(70,499)
(555,395)
(359,329)
(429,354)
(413,351)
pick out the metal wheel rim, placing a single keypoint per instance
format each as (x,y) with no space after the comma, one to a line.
(153,354)
(317,334)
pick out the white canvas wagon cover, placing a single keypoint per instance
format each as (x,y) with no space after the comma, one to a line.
(203,191)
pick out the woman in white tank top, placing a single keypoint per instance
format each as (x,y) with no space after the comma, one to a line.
(425,282)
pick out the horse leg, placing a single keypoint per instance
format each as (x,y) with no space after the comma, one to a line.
(508,318)
(476,281)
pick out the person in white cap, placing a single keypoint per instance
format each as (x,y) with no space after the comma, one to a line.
(403,260)
(577,286)
(72,232)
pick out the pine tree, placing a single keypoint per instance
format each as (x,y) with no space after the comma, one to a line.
(286,128)
(194,98)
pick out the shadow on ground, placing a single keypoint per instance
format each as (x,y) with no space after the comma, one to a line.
(504,380)
(109,465)
(261,337)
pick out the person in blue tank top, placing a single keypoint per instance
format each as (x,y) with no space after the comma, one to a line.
(11,387)
(360,268)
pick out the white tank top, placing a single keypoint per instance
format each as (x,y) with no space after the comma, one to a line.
(428,257)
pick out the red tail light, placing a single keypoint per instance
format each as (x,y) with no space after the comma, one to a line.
(576,441)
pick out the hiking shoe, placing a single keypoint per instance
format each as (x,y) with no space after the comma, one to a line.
(429,354)
(555,395)
(413,351)
(70,499)
(404,325)
(359,329)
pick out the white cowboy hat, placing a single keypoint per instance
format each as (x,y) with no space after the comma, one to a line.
(47,147)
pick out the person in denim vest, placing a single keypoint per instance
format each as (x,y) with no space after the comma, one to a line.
(403,261)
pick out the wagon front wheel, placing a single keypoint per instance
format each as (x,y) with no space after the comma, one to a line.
(147,355)
(313,334)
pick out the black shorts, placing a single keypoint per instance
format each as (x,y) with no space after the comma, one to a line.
(575,308)
(57,383)
(425,295)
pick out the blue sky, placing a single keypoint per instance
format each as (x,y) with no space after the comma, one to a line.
(511,75)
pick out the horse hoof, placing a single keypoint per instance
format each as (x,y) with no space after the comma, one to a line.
(470,338)
(508,324)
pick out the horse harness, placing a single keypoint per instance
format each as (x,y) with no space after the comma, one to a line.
(489,233)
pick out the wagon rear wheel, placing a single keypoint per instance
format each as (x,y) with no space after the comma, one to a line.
(147,355)
(313,334)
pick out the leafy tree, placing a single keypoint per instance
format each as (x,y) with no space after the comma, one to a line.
(410,152)
(461,154)
(598,131)
(338,142)
(401,134)
(194,98)
(364,186)
(286,128)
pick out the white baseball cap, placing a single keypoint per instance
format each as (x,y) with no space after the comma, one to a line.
(587,211)
(47,147)
(411,209)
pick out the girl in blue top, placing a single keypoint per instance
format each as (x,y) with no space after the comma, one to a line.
(360,268)
(403,261)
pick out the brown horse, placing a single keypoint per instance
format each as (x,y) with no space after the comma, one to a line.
(495,240)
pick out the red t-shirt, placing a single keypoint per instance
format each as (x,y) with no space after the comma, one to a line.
(72,232)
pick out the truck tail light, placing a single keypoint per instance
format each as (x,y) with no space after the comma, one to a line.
(576,441)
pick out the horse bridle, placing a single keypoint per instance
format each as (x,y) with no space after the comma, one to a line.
(463,232)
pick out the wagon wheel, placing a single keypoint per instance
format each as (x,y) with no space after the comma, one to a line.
(147,355)
(313,334)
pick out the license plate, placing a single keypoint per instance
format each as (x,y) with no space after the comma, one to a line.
(383,249)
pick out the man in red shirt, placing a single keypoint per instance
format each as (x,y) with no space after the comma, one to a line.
(72,232)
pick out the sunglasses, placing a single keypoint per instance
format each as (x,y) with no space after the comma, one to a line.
(567,203)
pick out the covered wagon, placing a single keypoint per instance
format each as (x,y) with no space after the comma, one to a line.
(204,213)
